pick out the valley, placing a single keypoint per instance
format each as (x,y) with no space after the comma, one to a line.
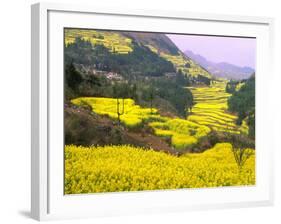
(140,115)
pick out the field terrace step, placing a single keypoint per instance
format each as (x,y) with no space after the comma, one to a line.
(210,108)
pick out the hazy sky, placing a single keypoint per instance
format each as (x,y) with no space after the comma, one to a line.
(237,51)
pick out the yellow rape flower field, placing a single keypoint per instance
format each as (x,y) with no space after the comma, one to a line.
(114,42)
(154,142)
(127,168)
(210,109)
(183,133)
(114,168)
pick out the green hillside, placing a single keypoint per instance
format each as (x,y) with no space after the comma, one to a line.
(121,43)
(113,41)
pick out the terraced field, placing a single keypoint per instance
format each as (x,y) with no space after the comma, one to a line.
(118,44)
(132,115)
(180,61)
(114,168)
(115,42)
(210,108)
(182,133)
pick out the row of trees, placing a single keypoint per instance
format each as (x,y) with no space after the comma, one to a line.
(121,91)
(143,91)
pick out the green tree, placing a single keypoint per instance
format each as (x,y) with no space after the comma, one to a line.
(132,92)
(243,103)
(72,76)
(151,94)
(231,86)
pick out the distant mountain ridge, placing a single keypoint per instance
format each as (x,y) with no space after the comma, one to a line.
(222,69)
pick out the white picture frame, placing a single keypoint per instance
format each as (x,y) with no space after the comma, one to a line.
(47,200)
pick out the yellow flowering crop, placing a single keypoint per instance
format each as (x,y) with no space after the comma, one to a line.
(113,41)
(183,133)
(133,116)
(210,109)
(127,168)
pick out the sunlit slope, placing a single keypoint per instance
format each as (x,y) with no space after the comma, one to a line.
(210,108)
(121,43)
(132,116)
(181,62)
(115,42)
(183,133)
(126,168)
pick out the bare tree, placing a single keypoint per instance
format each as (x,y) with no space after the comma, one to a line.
(118,111)
(241,155)
(121,91)
(241,148)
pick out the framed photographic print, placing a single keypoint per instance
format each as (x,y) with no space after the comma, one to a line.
(148,111)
